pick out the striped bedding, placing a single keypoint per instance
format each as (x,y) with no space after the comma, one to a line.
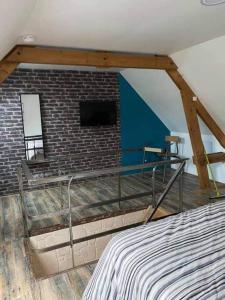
(180,257)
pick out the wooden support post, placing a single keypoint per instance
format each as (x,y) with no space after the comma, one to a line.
(196,139)
(200,109)
(193,126)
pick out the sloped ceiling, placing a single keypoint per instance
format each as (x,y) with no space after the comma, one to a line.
(160,93)
(154,26)
(161,27)
(203,67)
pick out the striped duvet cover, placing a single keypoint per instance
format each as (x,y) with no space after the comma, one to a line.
(180,257)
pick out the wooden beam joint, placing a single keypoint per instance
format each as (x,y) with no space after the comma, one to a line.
(212,157)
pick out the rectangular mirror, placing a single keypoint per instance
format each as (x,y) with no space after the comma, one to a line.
(33,136)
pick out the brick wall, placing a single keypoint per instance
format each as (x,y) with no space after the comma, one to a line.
(60,93)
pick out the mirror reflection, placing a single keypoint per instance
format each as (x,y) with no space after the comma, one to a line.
(33,136)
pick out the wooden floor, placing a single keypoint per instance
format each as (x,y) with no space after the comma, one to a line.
(16,280)
(92,191)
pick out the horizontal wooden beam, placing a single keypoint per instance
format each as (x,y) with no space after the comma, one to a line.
(6,68)
(213,158)
(43,55)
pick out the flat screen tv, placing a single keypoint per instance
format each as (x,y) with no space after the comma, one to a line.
(97,113)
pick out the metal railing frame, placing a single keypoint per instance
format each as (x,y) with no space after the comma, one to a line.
(95,174)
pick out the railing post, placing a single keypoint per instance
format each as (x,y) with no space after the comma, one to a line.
(70,221)
(181,192)
(119,189)
(22,201)
(148,216)
(153,187)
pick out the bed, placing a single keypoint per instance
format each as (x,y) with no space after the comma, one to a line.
(179,257)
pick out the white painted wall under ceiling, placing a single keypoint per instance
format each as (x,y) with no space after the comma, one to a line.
(160,27)
(203,67)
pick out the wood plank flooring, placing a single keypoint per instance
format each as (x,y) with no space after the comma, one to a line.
(16,279)
(103,189)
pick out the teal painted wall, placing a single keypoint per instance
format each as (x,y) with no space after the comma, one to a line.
(140,126)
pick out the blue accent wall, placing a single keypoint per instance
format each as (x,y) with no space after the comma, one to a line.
(140,126)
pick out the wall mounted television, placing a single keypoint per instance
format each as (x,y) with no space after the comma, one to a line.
(98,113)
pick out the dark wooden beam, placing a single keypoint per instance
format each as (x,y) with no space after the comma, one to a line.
(44,55)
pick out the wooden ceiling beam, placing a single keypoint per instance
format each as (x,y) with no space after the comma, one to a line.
(213,158)
(196,140)
(193,126)
(44,55)
(6,68)
(192,108)
(48,55)
(200,109)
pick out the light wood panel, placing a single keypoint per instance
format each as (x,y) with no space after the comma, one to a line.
(44,55)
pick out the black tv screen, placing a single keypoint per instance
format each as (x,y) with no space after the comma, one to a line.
(97,113)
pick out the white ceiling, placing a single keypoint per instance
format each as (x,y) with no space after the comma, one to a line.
(13,18)
(150,26)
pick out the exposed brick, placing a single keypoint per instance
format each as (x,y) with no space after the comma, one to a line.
(60,93)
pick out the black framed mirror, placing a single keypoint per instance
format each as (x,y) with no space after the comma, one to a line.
(32,126)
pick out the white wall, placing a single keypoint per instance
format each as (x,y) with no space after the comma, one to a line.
(211,145)
(203,67)
(14,15)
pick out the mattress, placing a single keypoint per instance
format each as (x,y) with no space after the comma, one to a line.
(180,257)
